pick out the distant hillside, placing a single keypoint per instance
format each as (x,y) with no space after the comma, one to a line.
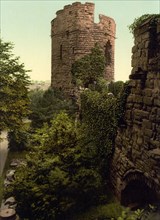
(44,85)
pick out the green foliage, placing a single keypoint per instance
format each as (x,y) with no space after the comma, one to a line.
(59,135)
(102,212)
(138,21)
(13,89)
(121,101)
(89,68)
(98,114)
(55,181)
(116,88)
(18,139)
(101,114)
(46,104)
(128,215)
(68,161)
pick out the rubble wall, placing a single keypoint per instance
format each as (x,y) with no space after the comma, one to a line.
(137,147)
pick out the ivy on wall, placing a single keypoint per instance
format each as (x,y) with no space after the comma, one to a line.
(139,21)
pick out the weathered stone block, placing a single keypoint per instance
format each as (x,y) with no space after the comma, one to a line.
(138,106)
(147,44)
(140,114)
(148,92)
(148,100)
(140,141)
(138,99)
(151,75)
(146,124)
(157,102)
(146,36)
(155,143)
(149,84)
(148,132)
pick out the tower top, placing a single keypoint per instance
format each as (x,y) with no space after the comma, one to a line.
(74,33)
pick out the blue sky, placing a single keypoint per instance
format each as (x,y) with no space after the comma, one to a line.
(26,23)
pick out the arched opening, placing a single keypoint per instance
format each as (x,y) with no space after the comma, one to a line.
(138,194)
(61,52)
(108,53)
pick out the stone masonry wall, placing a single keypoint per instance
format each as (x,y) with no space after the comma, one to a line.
(73,34)
(137,148)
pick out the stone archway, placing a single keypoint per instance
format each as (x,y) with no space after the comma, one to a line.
(138,190)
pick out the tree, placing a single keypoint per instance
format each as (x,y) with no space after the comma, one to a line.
(14,83)
(57,180)
(89,68)
(45,104)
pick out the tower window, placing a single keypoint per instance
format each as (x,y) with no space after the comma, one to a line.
(67,34)
(61,52)
(108,53)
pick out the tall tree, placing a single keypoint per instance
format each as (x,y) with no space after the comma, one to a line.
(13,89)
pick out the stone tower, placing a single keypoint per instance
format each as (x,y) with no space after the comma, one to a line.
(73,34)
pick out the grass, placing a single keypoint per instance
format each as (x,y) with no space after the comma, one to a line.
(102,212)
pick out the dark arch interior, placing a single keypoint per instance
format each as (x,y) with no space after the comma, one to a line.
(137,194)
(108,52)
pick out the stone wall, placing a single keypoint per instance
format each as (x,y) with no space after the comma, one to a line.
(137,147)
(73,34)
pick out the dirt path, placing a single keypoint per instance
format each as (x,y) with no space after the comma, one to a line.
(3,151)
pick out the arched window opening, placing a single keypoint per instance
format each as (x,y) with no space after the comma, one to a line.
(108,53)
(67,34)
(61,52)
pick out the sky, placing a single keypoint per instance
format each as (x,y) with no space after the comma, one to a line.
(26,23)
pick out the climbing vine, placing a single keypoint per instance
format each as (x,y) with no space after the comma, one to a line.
(102,113)
(88,69)
(138,21)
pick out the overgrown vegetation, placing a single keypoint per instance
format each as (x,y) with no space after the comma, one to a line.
(109,211)
(140,20)
(14,81)
(11,155)
(56,180)
(45,104)
(68,164)
(87,70)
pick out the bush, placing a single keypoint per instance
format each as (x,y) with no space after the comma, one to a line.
(56,181)
(46,104)
(101,212)
(18,139)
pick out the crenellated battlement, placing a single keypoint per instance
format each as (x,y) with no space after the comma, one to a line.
(108,24)
(73,17)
